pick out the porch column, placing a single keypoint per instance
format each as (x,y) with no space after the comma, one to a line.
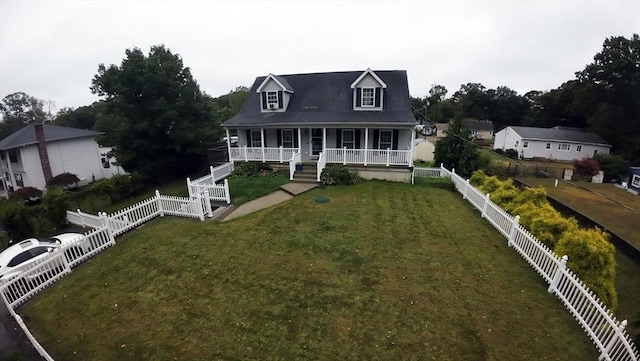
(4,180)
(324,139)
(229,144)
(413,146)
(366,145)
(300,141)
(262,142)
(12,177)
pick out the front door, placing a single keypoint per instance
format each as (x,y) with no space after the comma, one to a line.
(316,141)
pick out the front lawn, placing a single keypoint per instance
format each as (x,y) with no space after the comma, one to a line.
(383,271)
(244,189)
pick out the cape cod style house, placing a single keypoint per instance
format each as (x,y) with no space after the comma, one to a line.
(34,154)
(557,143)
(361,119)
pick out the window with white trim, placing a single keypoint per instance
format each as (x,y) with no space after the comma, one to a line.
(287,138)
(256,138)
(385,140)
(368,95)
(272,100)
(349,138)
(564,147)
(525,144)
(635,181)
(578,148)
(548,145)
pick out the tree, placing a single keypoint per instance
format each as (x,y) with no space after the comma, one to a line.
(613,165)
(456,150)
(586,168)
(83,117)
(19,109)
(160,117)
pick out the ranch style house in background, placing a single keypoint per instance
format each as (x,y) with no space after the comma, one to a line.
(557,143)
(360,119)
(36,153)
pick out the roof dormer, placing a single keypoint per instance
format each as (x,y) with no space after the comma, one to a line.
(368,92)
(275,94)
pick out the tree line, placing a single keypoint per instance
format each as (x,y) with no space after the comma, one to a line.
(603,98)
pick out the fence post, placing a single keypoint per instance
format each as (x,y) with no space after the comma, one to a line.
(553,287)
(213,177)
(466,186)
(515,221)
(189,187)
(442,169)
(81,218)
(199,207)
(344,156)
(206,202)
(484,207)
(160,210)
(388,152)
(280,153)
(613,340)
(226,191)
(105,219)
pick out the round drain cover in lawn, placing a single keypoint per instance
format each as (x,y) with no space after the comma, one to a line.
(321,199)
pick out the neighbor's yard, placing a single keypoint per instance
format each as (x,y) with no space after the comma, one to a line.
(382,271)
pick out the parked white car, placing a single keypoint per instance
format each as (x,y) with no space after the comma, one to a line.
(15,259)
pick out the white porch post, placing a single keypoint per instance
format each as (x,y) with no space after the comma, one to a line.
(12,177)
(246,159)
(344,156)
(366,145)
(280,153)
(388,154)
(324,139)
(412,147)
(228,144)
(300,141)
(262,143)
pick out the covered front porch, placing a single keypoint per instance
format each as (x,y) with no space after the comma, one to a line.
(361,146)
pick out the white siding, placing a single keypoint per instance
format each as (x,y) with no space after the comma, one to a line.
(76,156)
(368,82)
(538,148)
(34,177)
(271,86)
(507,139)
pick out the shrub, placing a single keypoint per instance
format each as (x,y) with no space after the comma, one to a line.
(511,153)
(339,175)
(585,168)
(499,151)
(249,169)
(496,168)
(56,202)
(18,220)
(613,166)
(591,257)
(63,179)
(25,193)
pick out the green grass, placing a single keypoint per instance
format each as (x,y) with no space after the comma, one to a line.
(616,210)
(383,271)
(244,189)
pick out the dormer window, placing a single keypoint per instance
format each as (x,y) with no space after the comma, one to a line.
(368,97)
(272,100)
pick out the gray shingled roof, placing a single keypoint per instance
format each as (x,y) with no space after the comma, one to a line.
(478,125)
(559,134)
(27,135)
(327,98)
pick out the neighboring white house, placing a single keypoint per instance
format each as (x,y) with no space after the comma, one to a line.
(36,153)
(558,143)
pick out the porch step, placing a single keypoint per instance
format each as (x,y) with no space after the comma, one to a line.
(305,177)
(294,188)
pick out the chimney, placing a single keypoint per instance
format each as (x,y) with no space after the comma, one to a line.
(42,150)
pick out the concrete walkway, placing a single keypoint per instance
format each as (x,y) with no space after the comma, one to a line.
(288,191)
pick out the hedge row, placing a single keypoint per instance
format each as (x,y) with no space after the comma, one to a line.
(591,255)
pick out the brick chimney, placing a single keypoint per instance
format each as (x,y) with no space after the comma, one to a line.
(42,150)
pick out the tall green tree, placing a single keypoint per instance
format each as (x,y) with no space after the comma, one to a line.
(160,117)
(456,150)
(19,109)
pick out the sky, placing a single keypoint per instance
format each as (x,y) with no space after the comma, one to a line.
(51,49)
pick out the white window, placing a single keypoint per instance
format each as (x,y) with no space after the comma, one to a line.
(525,144)
(272,100)
(635,181)
(578,148)
(287,138)
(368,97)
(349,138)
(548,145)
(564,147)
(385,140)
(256,138)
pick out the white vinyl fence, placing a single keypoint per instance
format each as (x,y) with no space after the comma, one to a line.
(608,335)
(207,187)
(36,277)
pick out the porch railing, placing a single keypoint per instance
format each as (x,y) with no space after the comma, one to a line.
(322,163)
(386,157)
(295,160)
(259,154)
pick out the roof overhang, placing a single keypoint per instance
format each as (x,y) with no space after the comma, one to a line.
(276,80)
(370,72)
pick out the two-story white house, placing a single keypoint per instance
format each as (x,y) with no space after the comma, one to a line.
(557,143)
(34,154)
(362,119)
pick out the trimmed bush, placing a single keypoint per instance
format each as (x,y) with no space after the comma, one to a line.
(511,153)
(337,174)
(18,221)
(251,169)
(591,257)
(56,203)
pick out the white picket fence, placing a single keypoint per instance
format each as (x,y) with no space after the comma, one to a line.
(207,187)
(608,335)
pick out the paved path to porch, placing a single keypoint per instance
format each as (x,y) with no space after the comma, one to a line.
(289,190)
